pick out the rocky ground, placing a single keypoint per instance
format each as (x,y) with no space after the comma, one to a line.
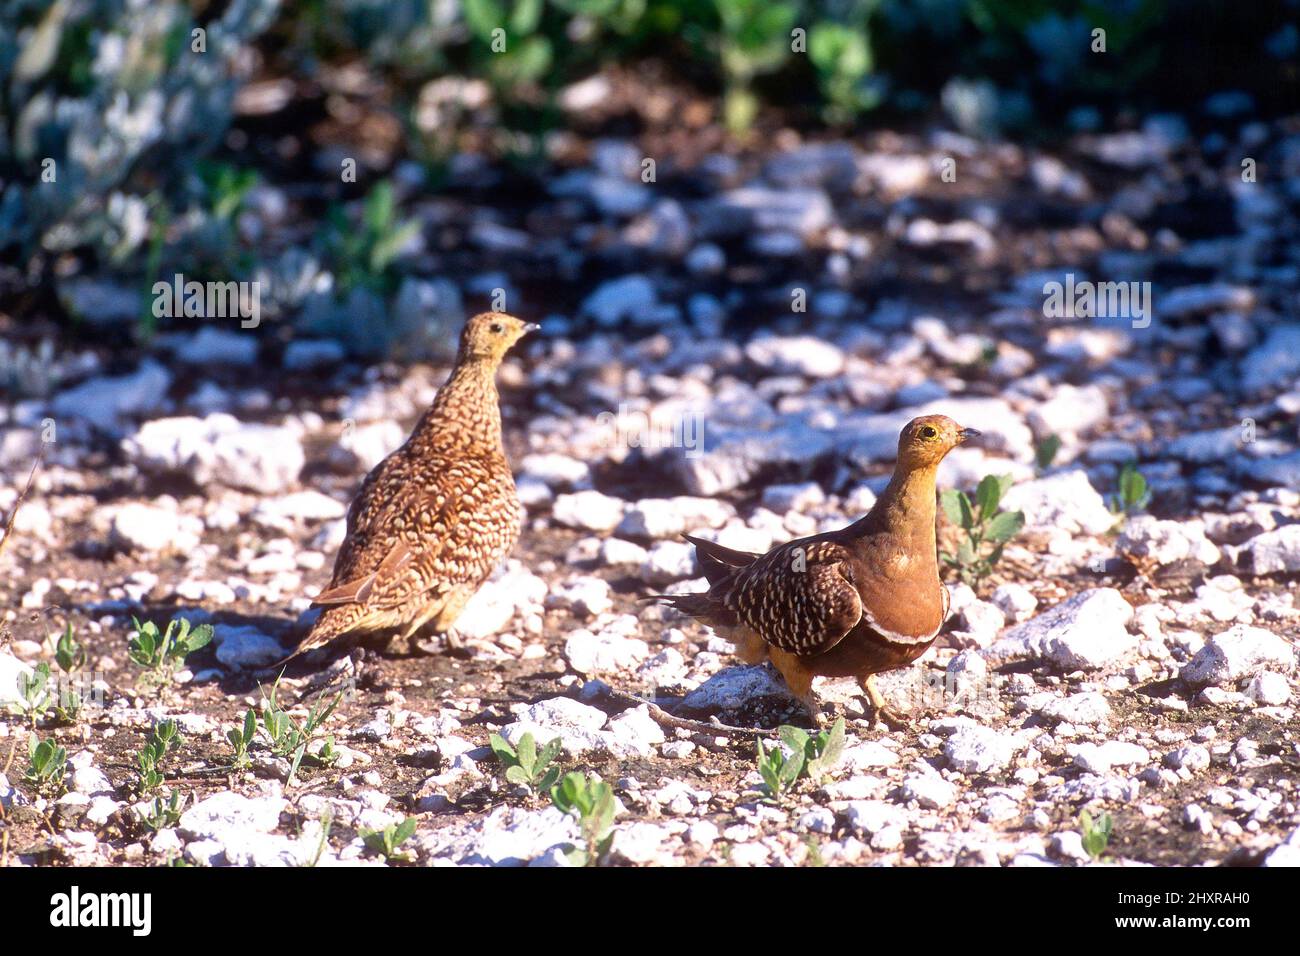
(1139,665)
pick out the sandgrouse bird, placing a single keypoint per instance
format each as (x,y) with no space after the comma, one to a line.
(434,518)
(847,603)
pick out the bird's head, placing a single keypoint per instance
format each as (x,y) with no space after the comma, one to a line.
(489,335)
(924,441)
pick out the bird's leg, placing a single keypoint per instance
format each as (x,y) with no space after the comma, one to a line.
(879,709)
(799,679)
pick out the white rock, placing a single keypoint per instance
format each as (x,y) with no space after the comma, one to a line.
(1087,631)
(617,553)
(734,687)
(1286,853)
(873,816)
(1192,757)
(606,652)
(800,497)
(244,647)
(588,595)
(668,561)
(929,790)
(221,449)
(1070,411)
(1270,689)
(212,346)
(303,354)
(630,297)
(974,748)
(1100,758)
(1242,651)
(1166,542)
(1064,502)
(103,401)
(513,837)
(1016,601)
(224,813)
(366,445)
(1274,362)
(669,517)
(555,469)
(637,730)
(796,355)
(1086,708)
(588,511)
(143,527)
(511,590)
(1273,552)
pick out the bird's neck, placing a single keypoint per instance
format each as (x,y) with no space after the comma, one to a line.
(466,412)
(906,508)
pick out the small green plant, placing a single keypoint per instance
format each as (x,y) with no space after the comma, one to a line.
(326,824)
(1096,833)
(241,738)
(822,751)
(166,737)
(34,694)
(165,813)
(71,657)
(387,841)
(161,653)
(47,763)
(288,738)
(591,801)
(1132,493)
(1045,451)
(226,187)
(779,771)
(814,850)
(364,256)
(841,55)
(754,38)
(527,766)
(986,530)
(68,653)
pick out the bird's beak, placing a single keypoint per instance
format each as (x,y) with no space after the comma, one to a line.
(531,327)
(966,434)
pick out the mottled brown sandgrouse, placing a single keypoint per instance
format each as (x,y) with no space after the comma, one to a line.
(434,518)
(847,603)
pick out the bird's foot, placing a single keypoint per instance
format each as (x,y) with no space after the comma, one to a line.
(889,717)
(878,710)
(436,645)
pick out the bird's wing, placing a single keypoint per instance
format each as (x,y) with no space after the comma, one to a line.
(404,540)
(798,597)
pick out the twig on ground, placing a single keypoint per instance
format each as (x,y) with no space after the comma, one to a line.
(713,726)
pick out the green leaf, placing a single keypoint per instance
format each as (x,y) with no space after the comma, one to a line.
(549,753)
(517,775)
(527,753)
(794,737)
(1046,451)
(548,779)
(250,725)
(505,753)
(1004,526)
(987,496)
(950,499)
(404,831)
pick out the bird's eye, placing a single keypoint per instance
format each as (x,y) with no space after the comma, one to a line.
(498,328)
(929,431)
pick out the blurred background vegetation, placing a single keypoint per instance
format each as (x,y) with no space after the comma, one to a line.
(159,149)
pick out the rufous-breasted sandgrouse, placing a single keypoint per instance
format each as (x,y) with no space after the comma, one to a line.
(847,603)
(434,518)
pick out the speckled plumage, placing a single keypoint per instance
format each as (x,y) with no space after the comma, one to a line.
(434,518)
(853,602)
